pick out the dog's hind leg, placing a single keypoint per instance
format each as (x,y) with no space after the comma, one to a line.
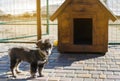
(12,67)
(33,69)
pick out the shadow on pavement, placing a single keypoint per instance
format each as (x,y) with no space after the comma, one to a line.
(57,59)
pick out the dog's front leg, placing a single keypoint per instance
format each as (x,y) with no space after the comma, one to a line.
(17,66)
(33,69)
(12,67)
(40,67)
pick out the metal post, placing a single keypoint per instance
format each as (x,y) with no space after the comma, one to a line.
(38,9)
(47,6)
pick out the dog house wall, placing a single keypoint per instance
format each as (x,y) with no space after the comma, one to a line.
(83,10)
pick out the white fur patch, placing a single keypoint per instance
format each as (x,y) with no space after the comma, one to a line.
(49,51)
(42,62)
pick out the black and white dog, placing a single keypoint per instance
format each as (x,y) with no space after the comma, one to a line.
(36,57)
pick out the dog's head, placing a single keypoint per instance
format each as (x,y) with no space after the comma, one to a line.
(44,45)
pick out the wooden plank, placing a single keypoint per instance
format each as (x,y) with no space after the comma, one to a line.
(108,11)
(38,7)
(82,48)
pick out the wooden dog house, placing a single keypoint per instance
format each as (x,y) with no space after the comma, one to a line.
(83,26)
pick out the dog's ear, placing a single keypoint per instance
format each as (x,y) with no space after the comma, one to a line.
(47,40)
(39,43)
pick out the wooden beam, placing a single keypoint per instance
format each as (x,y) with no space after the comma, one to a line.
(60,9)
(38,10)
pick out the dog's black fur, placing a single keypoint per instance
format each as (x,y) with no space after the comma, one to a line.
(36,57)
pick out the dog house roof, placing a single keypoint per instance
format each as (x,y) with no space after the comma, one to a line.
(67,2)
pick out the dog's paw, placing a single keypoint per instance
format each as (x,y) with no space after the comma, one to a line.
(18,71)
(13,76)
(31,77)
(41,76)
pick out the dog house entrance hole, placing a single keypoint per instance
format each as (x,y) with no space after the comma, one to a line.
(82,31)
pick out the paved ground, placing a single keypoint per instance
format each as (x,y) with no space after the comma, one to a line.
(67,67)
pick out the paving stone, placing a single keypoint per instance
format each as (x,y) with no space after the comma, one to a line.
(101,69)
(117,58)
(81,72)
(89,68)
(108,80)
(102,76)
(41,79)
(89,79)
(64,71)
(118,63)
(3,80)
(3,62)
(113,76)
(45,74)
(114,66)
(117,80)
(98,79)
(60,75)
(73,68)
(84,76)
(96,72)
(108,72)
(111,63)
(51,74)
(77,79)
(53,79)
(95,76)
(104,66)
(65,79)
(58,68)
(70,75)
(78,65)
(116,73)
(48,70)
(114,69)
(81,62)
